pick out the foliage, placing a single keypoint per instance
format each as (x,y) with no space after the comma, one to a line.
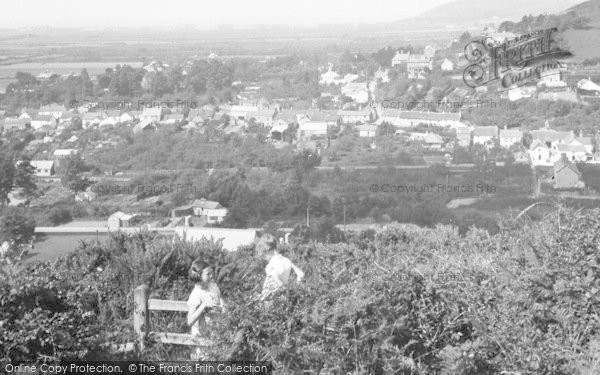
(15,225)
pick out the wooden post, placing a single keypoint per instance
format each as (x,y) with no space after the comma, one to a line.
(141,318)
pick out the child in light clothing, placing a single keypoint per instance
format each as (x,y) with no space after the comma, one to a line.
(204,301)
(278,269)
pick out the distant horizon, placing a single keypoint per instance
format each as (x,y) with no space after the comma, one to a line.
(139,14)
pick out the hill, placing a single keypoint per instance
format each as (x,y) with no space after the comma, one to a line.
(463,12)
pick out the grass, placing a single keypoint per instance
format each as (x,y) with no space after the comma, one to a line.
(51,246)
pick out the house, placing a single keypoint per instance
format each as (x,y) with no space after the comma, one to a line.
(231,239)
(239,112)
(463,136)
(328,116)
(309,129)
(572,152)
(367,130)
(429,140)
(153,114)
(54,110)
(120,220)
(433,141)
(401,118)
(90,119)
(68,117)
(552,138)
(586,142)
(13,124)
(109,122)
(39,121)
(86,196)
(417,65)
(143,125)
(73,139)
(484,134)
(352,117)
(43,168)
(447,66)
(521,157)
(588,87)
(65,153)
(539,153)
(213,211)
(566,175)
(400,58)
(509,137)
(276,132)
(358,91)
(172,119)
(126,117)
(264,117)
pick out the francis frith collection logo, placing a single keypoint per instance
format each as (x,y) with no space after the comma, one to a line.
(514,62)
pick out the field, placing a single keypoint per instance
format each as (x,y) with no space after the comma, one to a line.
(51,246)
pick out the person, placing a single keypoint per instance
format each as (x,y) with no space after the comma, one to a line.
(204,301)
(278,269)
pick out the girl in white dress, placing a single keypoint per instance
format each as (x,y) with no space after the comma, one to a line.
(204,301)
(278,269)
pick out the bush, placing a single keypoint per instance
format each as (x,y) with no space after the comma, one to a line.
(403,300)
(58,216)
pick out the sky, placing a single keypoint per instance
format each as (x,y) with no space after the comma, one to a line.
(204,13)
(208,13)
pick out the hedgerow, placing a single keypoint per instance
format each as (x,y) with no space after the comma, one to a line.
(403,301)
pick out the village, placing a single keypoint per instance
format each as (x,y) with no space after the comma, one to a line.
(431,124)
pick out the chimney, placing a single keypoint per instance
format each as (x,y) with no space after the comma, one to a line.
(580,133)
(505,127)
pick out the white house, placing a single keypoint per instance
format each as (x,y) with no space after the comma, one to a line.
(572,152)
(152,113)
(239,112)
(539,153)
(484,134)
(264,117)
(429,140)
(352,117)
(400,58)
(91,119)
(213,211)
(43,168)
(367,130)
(509,137)
(54,110)
(401,118)
(463,136)
(145,124)
(447,65)
(119,220)
(309,129)
(65,153)
(40,121)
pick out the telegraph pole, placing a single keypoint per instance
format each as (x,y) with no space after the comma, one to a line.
(307,218)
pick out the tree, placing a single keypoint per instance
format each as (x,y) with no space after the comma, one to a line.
(16,226)
(7,176)
(70,170)
(24,173)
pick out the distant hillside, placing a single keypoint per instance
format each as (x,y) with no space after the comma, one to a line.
(585,44)
(469,12)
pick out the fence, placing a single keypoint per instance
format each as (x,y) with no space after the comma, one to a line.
(141,320)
